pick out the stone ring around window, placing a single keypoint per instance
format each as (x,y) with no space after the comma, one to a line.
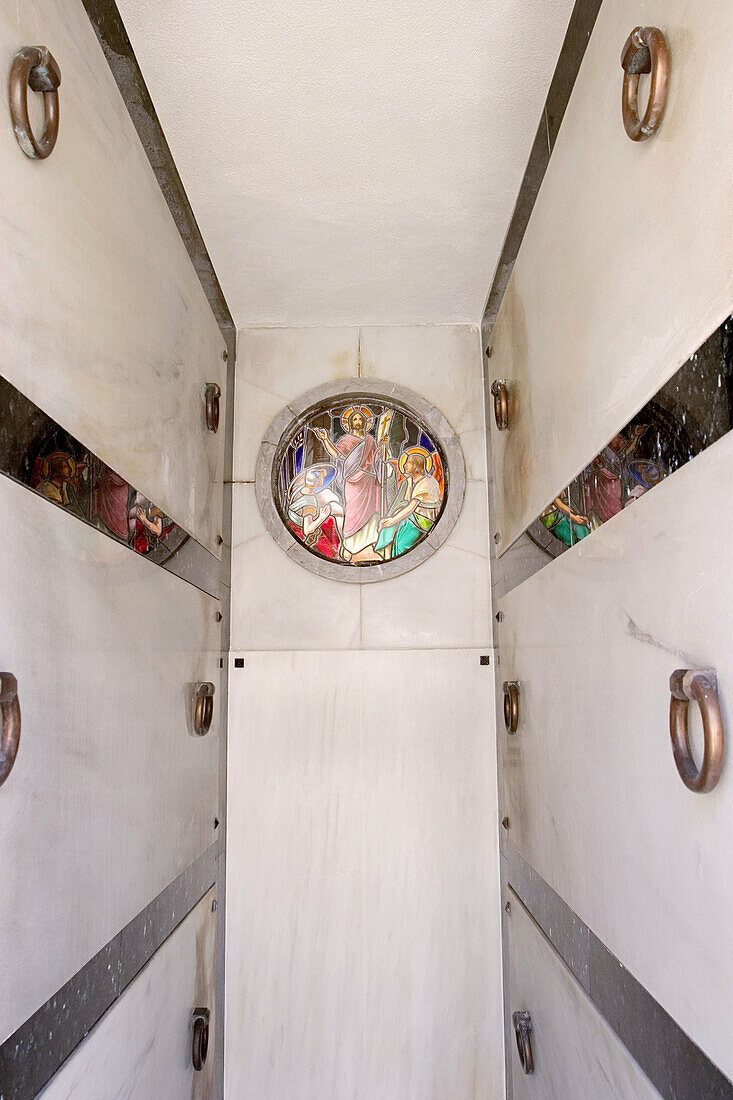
(360,480)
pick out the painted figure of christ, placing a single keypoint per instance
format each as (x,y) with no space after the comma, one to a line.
(362,470)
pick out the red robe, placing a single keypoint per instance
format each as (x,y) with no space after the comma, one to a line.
(361,483)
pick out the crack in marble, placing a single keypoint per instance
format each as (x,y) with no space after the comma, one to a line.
(643,636)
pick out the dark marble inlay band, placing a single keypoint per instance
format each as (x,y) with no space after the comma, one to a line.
(38,453)
(690,412)
(105,17)
(675,1065)
(31,1056)
(582,21)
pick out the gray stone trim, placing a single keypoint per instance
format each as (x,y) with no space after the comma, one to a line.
(105,17)
(204,572)
(196,565)
(581,24)
(225,607)
(674,1064)
(33,1053)
(436,424)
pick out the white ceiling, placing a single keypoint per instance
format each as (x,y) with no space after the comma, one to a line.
(350,162)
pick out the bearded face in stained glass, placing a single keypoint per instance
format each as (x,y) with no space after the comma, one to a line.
(360,483)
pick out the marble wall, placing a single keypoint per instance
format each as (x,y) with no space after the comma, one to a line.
(363,944)
(141,1048)
(103,323)
(278,605)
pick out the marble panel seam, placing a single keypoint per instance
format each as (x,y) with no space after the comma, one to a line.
(582,21)
(110,30)
(40,1046)
(674,1064)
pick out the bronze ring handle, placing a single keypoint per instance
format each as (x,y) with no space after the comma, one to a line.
(10,736)
(500,393)
(213,393)
(523,1033)
(700,685)
(36,66)
(203,711)
(645,51)
(511,705)
(200,1042)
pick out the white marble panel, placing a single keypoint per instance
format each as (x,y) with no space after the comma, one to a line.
(627,263)
(141,1048)
(444,602)
(111,796)
(591,789)
(276,604)
(277,365)
(103,322)
(576,1054)
(470,533)
(363,942)
(443,364)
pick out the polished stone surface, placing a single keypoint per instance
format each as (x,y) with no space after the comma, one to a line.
(576,1054)
(576,40)
(104,323)
(110,30)
(688,414)
(591,788)
(669,1057)
(142,1046)
(362,877)
(39,453)
(583,351)
(676,1066)
(38,1048)
(111,793)
(563,928)
(275,603)
(276,366)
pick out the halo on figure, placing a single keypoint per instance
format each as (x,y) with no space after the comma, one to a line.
(646,473)
(325,474)
(365,412)
(46,467)
(417,451)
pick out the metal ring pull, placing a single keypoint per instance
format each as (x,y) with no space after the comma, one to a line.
(10,736)
(213,393)
(200,1042)
(700,685)
(645,51)
(500,393)
(35,65)
(203,711)
(511,705)
(523,1033)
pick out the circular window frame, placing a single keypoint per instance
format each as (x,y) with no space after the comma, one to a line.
(278,437)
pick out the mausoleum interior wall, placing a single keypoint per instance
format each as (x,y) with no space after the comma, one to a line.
(362,850)
(443,603)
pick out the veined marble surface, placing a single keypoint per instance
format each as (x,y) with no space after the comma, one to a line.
(591,789)
(576,1054)
(111,796)
(363,942)
(276,365)
(103,322)
(141,1048)
(445,602)
(626,266)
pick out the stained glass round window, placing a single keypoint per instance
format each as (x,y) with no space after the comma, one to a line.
(360,481)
